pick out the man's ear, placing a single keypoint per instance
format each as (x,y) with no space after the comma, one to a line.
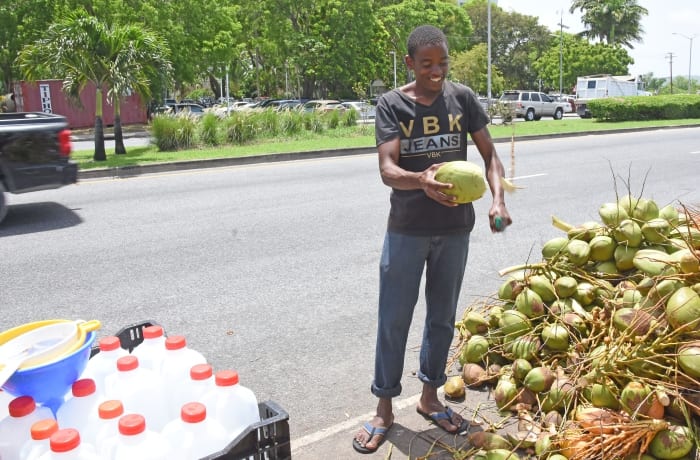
(409,61)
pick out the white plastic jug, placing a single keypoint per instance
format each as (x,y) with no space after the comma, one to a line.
(194,435)
(232,404)
(65,444)
(199,382)
(104,363)
(136,442)
(140,390)
(151,351)
(177,363)
(79,411)
(108,427)
(15,429)
(39,443)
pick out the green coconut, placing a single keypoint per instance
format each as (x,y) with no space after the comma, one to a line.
(689,359)
(475,349)
(612,214)
(555,336)
(542,286)
(505,393)
(670,213)
(683,309)
(656,230)
(628,203)
(624,257)
(645,210)
(554,247)
(602,248)
(514,324)
(520,369)
(475,322)
(635,398)
(524,347)
(559,396)
(467,180)
(687,261)
(606,268)
(637,322)
(671,444)
(575,322)
(586,231)
(629,233)
(501,454)
(578,252)
(529,303)
(605,395)
(690,235)
(565,286)
(585,293)
(652,262)
(509,289)
(539,379)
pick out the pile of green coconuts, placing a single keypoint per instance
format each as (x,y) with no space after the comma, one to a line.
(596,348)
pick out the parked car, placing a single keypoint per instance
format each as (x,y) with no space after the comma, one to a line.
(365,110)
(189,109)
(568,100)
(322,105)
(532,105)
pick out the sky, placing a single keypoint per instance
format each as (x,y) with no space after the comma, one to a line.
(665,17)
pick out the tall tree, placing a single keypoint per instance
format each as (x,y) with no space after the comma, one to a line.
(517,42)
(579,58)
(81,49)
(611,21)
(470,68)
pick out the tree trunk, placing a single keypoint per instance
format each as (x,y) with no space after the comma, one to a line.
(119,147)
(100,154)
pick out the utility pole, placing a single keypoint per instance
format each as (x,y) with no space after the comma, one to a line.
(670,57)
(690,57)
(393,53)
(561,51)
(488,52)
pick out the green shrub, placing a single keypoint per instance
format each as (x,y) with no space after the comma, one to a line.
(186,132)
(350,117)
(239,128)
(164,132)
(638,108)
(266,122)
(333,119)
(209,129)
(313,122)
(291,122)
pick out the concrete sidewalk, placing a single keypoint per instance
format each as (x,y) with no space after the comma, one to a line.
(411,437)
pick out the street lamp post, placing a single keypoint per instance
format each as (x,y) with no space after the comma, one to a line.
(690,57)
(561,52)
(393,53)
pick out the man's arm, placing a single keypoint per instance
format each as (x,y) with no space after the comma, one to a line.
(398,178)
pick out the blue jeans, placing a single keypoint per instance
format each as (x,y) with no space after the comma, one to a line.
(401,267)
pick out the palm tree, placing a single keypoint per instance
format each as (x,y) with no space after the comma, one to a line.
(611,21)
(82,49)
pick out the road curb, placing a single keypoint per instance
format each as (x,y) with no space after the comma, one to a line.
(137,170)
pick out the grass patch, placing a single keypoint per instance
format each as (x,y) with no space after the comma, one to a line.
(342,137)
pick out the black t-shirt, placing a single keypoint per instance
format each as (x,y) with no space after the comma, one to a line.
(428,135)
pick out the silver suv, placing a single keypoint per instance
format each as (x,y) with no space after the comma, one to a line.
(533,105)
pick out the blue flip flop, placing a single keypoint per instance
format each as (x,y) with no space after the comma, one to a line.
(447,414)
(372,431)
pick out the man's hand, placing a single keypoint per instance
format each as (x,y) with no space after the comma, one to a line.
(434,189)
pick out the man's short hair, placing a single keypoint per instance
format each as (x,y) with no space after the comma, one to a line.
(425,36)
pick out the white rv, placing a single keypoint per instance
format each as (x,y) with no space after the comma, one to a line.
(599,86)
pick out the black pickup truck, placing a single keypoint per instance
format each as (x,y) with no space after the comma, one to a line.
(35,150)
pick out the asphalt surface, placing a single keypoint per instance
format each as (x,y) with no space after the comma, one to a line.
(411,436)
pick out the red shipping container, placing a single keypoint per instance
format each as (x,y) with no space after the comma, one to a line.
(48,96)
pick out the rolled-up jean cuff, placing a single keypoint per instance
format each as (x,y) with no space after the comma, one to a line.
(386,392)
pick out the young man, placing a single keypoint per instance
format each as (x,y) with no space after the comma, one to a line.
(418,127)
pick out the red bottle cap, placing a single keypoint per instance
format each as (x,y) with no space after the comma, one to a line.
(132,424)
(201,371)
(127,363)
(64,440)
(175,342)
(193,412)
(152,332)
(226,378)
(43,429)
(21,406)
(109,343)
(83,387)
(110,409)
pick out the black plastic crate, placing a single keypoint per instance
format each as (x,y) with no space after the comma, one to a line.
(266,440)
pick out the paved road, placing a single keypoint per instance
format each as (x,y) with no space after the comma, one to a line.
(272,268)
